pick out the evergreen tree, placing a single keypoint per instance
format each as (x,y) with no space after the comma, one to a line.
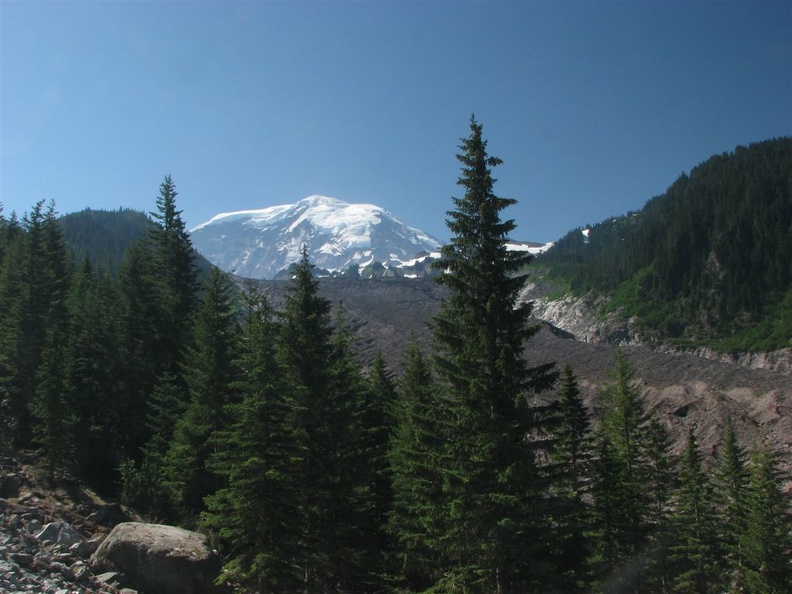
(32,294)
(305,355)
(660,485)
(767,539)
(573,446)
(624,508)
(91,370)
(210,372)
(256,515)
(660,474)
(173,270)
(492,490)
(158,281)
(356,433)
(141,367)
(416,462)
(694,553)
(573,454)
(10,229)
(609,517)
(623,423)
(731,480)
(54,419)
(52,409)
(378,426)
(15,367)
(144,486)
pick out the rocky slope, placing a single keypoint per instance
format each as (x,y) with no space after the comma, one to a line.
(60,537)
(583,320)
(48,533)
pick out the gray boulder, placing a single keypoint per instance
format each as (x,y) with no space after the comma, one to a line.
(159,559)
(59,533)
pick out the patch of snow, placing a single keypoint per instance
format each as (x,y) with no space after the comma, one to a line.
(420,259)
(531,248)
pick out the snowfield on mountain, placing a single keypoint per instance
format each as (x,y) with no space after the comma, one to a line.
(337,235)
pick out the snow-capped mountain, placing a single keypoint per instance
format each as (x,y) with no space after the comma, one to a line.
(337,235)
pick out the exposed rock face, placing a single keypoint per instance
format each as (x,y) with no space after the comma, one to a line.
(159,559)
(580,318)
(779,361)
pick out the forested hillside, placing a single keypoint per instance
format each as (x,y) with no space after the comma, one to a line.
(709,261)
(104,235)
(476,470)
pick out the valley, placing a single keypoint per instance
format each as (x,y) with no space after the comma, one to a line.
(598,426)
(683,389)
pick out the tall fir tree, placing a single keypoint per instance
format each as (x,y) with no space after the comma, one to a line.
(767,539)
(173,269)
(91,372)
(573,454)
(377,428)
(256,514)
(354,422)
(10,229)
(694,553)
(12,279)
(416,460)
(32,294)
(379,422)
(158,279)
(210,372)
(53,410)
(623,506)
(660,485)
(609,547)
(731,481)
(141,368)
(494,529)
(624,424)
(305,354)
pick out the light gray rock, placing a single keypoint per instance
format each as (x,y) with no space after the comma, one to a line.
(59,533)
(112,578)
(159,559)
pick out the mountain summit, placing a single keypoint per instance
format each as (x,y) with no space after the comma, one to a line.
(337,234)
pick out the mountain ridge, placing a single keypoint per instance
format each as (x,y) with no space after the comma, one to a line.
(707,263)
(336,234)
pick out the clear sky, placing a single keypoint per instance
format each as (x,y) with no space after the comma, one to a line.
(594,107)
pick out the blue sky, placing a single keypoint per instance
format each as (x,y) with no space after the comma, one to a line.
(594,107)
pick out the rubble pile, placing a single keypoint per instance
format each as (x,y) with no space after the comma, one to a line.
(46,544)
